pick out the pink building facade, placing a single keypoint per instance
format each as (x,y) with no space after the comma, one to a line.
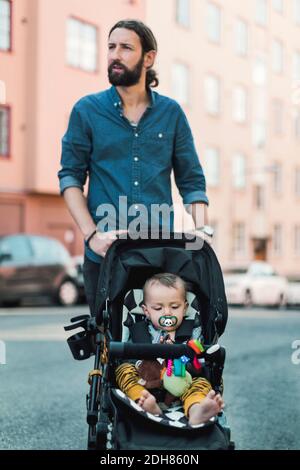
(233,66)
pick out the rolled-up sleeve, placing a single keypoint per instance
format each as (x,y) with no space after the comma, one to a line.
(76,151)
(188,172)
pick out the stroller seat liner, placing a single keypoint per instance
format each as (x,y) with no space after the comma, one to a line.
(173,416)
(132,307)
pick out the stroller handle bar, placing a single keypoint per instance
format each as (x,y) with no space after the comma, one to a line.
(152,351)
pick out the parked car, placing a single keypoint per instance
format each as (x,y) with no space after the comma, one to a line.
(259,284)
(78,263)
(34,265)
(293,297)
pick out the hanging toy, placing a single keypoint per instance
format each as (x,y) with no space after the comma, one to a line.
(198,348)
(176,379)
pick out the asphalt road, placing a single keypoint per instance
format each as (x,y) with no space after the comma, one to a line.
(42,389)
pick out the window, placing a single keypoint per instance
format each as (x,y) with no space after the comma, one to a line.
(278,5)
(296,118)
(277,178)
(239,104)
(297,239)
(18,247)
(213,23)
(259,134)
(259,72)
(297,11)
(259,197)
(239,238)
(212,166)
(212,94)
(49,251)
(81,45)
(5,25)
(239,171)
(277,116)
(261,12)
(277,56)
(296,65)
(241,38)
(4,131)
(183,12)
(277,239)
(180,83)
(297,182)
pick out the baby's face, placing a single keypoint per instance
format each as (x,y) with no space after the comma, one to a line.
(165,306)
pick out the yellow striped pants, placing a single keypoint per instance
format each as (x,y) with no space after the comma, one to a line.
(127,378)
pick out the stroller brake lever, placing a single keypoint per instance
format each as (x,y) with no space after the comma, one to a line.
(77,325)
(80,317)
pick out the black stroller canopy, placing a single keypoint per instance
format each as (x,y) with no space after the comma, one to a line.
(129,263)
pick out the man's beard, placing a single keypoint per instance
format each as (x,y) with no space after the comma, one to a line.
(127,77)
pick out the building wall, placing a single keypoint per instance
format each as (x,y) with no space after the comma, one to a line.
(41,90)
(228,206)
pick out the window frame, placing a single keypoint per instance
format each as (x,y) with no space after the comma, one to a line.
(10,49)
(218,8)
(184,66)
(8,155)
(79,67)
(182,24)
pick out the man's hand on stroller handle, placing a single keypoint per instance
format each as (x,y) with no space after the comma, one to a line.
(101,242)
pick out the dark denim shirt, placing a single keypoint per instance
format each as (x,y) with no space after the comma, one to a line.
(123,160)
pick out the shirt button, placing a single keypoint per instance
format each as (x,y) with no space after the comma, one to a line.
(160,135)
(136,159)
(115,104)
(136,183)
(136,134)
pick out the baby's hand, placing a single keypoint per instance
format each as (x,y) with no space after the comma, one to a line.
(169,341)
(166,340)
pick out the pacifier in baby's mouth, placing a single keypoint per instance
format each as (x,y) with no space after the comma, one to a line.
(167,321)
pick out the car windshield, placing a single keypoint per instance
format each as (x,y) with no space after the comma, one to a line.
(263,269)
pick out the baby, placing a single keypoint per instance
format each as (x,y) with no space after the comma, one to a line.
(165,306)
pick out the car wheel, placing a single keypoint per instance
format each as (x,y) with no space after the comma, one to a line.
(248,302)
(67,293)
(11,303)
(282,303)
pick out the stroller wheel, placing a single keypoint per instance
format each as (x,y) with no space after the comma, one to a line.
(101,436)
(91,438)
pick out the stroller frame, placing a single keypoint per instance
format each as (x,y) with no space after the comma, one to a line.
(96,338)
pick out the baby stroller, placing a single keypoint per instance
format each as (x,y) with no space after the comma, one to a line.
(115,421)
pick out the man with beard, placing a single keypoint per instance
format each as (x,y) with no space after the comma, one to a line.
(127,139)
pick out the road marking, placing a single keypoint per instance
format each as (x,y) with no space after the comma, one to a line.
(46,332)
(264,313)
(42,311)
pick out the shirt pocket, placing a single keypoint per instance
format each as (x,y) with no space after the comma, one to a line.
(158,147)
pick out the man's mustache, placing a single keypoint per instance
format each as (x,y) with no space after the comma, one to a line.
(116,64)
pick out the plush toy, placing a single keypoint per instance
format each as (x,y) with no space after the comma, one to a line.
(150,373)
(177,385)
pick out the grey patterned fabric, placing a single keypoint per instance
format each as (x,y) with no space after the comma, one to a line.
(172,416)
(133,307)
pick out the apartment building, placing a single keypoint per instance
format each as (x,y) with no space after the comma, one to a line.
(51,54)
(235,69)
(233,66)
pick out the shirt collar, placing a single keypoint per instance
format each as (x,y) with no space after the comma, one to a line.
(117,102)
